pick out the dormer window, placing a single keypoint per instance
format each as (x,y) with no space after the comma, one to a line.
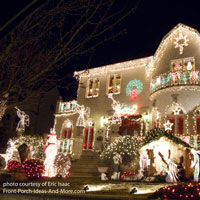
(93,88)
(185,64)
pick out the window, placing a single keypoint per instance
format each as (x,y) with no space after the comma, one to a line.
(114,84)
(88,136)
(93,88)
(68,106)
(66,139)
(176,117)
(185,64)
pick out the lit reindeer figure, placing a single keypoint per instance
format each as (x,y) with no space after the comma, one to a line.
(24,120)
(83,114)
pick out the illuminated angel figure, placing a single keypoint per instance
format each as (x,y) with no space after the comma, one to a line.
(195,164)
(24,120)
(116,106)
(83,115)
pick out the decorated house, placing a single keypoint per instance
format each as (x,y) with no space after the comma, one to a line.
(131,97)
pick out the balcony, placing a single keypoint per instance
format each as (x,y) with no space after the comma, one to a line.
(67,107)
(170,79)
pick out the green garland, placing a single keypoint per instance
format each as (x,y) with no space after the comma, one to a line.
(157,133)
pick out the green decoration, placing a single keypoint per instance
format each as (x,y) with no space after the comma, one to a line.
(134,84)
(157,133)
(127,146)
(183,76)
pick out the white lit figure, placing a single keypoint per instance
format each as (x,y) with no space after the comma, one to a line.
(117,107)
(50,151)
(195,164)
(144,163)
(24,120)
(83,114)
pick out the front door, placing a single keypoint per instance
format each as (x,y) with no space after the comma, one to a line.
(88,138)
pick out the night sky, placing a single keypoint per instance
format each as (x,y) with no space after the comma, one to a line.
(145,29)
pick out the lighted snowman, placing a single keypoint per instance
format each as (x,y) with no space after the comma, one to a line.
(50,152)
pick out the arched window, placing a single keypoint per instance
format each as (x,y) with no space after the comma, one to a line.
(66,137)
(176,116)
(88,136)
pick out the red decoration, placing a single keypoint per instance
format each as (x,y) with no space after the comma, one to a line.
(13,165)
(180,125)
(198,125)
(85,139)
(174,76)
(127,174)
(33,168)
(178,191)
(91,138)
(67,133)
(133,95)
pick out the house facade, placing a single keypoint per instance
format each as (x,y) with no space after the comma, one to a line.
(134,96)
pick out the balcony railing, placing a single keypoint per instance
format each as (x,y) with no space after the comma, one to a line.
(66,107)
(170,79)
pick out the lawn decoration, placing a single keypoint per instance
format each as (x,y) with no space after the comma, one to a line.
(195,164)
(13,165)
(117,162)
(24,121)
(33,168)
(50,151)
(63,164)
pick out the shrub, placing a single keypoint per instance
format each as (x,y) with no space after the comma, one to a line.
(127,146)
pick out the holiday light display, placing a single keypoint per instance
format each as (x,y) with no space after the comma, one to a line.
(24,120)
(176,109)
(13,165)
(33,168)
(35,144)
(175,78)
(67,106)
(178,191)
(116,106)
(127,146)
(133,89)
(180,28)
(196,118)
(63,164)
(3,106)
(50,152)
(83,115)
(114,68)
(180,42)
